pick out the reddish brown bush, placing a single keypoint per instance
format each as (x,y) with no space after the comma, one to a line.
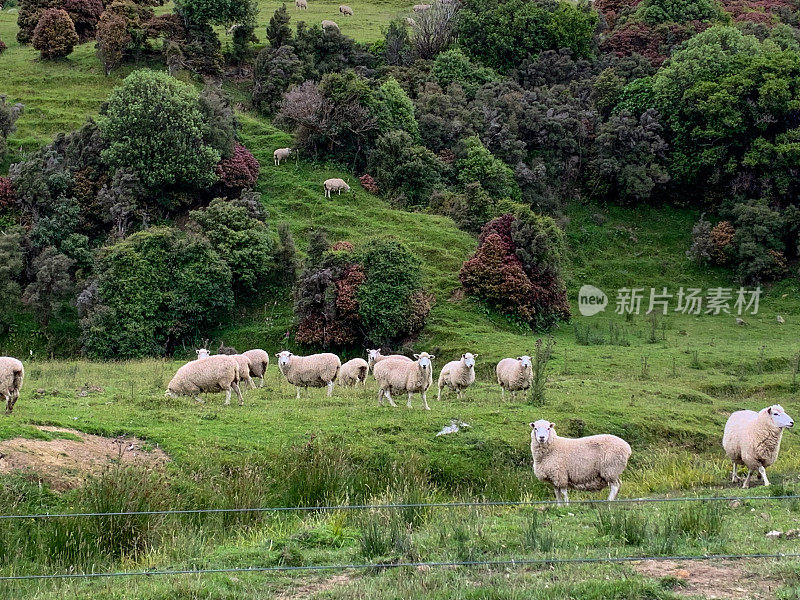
(240,170)
(2,46)
(721,239)
(611,9)
(654,43)
(112,39)
(85,15)
(7,198)
(54,35)
(343,246)
(368,183)
(28,17)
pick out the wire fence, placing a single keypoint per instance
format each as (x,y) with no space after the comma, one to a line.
(421,505)
(392,565)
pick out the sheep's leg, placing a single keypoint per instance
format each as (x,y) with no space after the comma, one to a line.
(565,496)
(261,385)
(388,395)
(15,396)
(439,394)
(227,397)
(503,393)
(9,405)
(408,404)
(425,400)
(558,496)
(330,389)
(380,397)
(238,391)
(614,486)
(734,476)
(761,470)
(746,483)
(514,396)
(298,394)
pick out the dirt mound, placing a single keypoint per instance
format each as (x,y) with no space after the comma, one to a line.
(711,580)
(66,463)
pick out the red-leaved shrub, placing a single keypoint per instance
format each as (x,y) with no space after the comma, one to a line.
(240,170)
(85,15)
(368,183)
(6,193)
(721,241)
(343,246)
(55,34)
(2,46)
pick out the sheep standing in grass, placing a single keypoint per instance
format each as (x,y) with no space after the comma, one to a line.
(326,24)
(753,439)
(418,8)
(335,185)
(315,370)
(281,154)
(301,4)
(404,376)
(353,372)
(11,375)
(218,373)
(345,10)
(589,463)
(259,361)
(458,375)
(244,371)
(514,374)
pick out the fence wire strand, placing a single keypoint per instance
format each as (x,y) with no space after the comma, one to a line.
(323,508)
(362,566)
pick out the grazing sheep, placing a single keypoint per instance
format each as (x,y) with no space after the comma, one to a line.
(353,372)
(781,320)
(218,373)
(753,439)
(514,374)
(202,353)
(418,8)
(740,322)
(588,463)
(375,356)
(11,375)
(335,185)
(259,361)
(345,10)
(281,154)
(458,375)
(301,4)
(315,370)
(326,24)
(402,376)
(223,349)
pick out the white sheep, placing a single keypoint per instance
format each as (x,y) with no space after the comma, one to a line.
(218,373)
(353,372)
(315,370)
(514,374)
(11,375)
(335,185)
(326,24)
(259,361)
(345,10)
(403,376)
(753,439)
(588,463)
(202,353)
(244,371)
(281,154)
(458,375)
(375,356)
(418,8)
(301,4)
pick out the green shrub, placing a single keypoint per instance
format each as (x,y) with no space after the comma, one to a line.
(479,165)
(394,110)
(406,171)
(153,125)
(453,66)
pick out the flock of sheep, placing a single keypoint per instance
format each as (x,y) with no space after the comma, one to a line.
(335,184)
(589,463)
(347,11)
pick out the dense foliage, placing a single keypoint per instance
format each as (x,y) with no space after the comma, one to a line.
(54,35)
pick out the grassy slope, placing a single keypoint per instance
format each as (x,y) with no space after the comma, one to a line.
(672,413)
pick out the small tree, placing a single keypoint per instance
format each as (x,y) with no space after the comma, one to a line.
(285,256)
(112,39)
(153,125)
(54,36)
(409,172)
(394,110)
(29,13)
(318,245)
(494,175)
(276,70)
(85,15)
(8,117)
(239,171)
(11,264)
(52,285)
(278,31)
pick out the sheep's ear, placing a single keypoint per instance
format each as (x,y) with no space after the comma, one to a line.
(769,410)
(474,356)
(519,358)
(552,425)
(462,356)
(431,356)
(416,356)
(532,425)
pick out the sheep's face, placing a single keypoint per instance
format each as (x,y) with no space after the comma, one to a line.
(469,359)
(424,360)
(541,430)
(283,358)
(202,353)
(779,416)
(524,361)
(373,354)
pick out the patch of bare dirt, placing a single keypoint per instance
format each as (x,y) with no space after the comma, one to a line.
(65,464)
(307,590)
(714,581)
